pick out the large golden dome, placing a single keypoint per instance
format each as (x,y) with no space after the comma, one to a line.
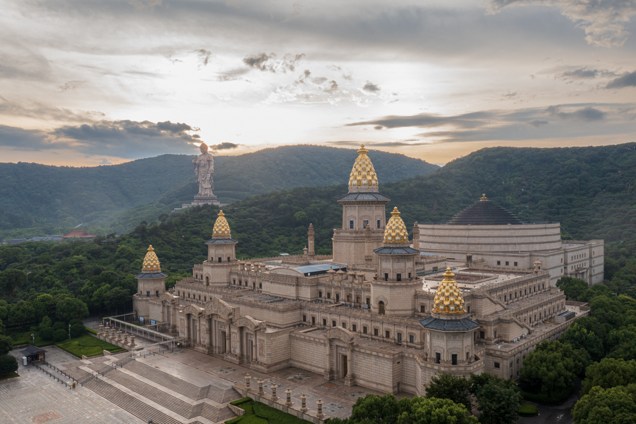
(395,231)
(221,227)
(448,298)
(151,262)
(363,177)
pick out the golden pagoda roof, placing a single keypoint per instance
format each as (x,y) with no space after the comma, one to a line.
(221,227)
(151,262)
(395,231)
(448,297)
(363,177)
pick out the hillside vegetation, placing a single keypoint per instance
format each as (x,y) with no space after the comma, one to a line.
(38,199)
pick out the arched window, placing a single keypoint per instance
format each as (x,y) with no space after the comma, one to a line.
(207,280)
(381,307)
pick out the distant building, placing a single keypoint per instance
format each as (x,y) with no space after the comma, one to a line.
(486,235)
(380,313)
(78,234)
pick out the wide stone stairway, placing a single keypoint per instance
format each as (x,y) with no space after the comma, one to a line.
(152,394)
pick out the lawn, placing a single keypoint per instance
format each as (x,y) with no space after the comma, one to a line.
(258,413)
(87,345)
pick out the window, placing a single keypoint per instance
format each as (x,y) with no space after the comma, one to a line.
(304,318)
(423,309)
(313,320)
(376,332)
(399,337)
(344,325)
(410,276)
(234,281)
(364,329)
(337,297)
(399,277)
(497,365)
(368,301)
(411,338)
(381,307)
(328,295)
(333,323)
(498,262)
(438,357)
(354,328)
(320,293)
(515,263)
(351,224)
(365,223)
(228,259)
(387,334)
(157,293)
(148,293)
(482,335)
(378,224)
(386,276)
(260,285)
(507,263)
(324,322)
(220,259)
(454,359)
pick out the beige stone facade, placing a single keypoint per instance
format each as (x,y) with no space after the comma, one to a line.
(369,316)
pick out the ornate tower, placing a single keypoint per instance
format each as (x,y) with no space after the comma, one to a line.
(393,291)
(221,253)
(363,217)
(151,283)
(451,337)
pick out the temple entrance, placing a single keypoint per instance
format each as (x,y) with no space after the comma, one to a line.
(343,369)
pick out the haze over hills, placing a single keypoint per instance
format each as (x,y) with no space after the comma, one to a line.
(36,199)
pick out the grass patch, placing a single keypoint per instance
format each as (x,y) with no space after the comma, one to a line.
(528,409)
(87,345)
(10,375)
(259,413)
(91,330)
(24,338)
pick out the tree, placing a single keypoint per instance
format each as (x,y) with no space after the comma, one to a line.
(8,365)
(446,386)
(582,337)
(616,405)
(69,308)
(6,344)
(435,411)
(373,409)
(45,329)
(609,373)
(498,401)
(573,288)
(549,372)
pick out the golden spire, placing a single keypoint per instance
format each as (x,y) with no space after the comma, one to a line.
(221,227)
(363,177)
(448,297)
(395,231)
(483,198)
(151,262)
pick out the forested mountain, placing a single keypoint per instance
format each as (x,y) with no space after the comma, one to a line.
(40,199)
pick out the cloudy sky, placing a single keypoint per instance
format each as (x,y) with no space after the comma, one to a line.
(86,82)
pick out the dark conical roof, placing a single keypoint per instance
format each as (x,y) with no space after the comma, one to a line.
(484,212)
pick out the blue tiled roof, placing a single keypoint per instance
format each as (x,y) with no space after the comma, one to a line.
(317,269)
(439,324)
(364,197)
(151,275)
(221,241)
(388,250)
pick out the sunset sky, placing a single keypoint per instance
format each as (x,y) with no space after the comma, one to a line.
(88,82)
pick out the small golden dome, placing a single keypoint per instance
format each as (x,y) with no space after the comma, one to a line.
(448,297)
(151,261)
(221,227)
(395,231)
(483,198)
(363,177)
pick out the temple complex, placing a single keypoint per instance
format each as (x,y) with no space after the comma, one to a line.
(383,312)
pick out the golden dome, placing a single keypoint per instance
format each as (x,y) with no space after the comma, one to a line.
(363,177)
(448,297)
(151,261)
(221,227)
(483,198)
(395,231)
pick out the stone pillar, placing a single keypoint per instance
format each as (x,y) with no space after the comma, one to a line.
(310,240)
(274,396)
(132,341)
(260,388)
(319,414)
(248,379)
(303,403)
(288,401)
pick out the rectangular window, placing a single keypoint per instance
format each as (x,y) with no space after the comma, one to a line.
(454,359)
(376,332)
(410,276)
(438,357)
(365,223)
(386,276)
(344,325)
(324,322)
(515,263)
(411,338)
(354,328)
(399,277)
(328,295)
(304,318)
(313,320)
(507,263)
(320,293)
(498,262)
(387,334)
(378,224)
(337,297)
(351,224)
(148,293)
(333,323)
(364,329)
(423,309)
(497,365)
(399,337)
(368,301)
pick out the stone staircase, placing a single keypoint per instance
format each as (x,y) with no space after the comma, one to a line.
(151,394)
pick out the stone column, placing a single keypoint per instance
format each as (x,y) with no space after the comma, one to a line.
(288,401)
(248,379)
(303,403)
(319,414)
(260,388)
(274,396)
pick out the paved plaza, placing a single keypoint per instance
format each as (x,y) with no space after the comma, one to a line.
(183,386)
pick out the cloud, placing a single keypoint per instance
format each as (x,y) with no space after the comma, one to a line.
(550,122)
(603,21)
(204,56)
(71,85)
(371,87)
(269,62)
(627,80)
(226,145)
(45,112)
(21,139)
(232,74)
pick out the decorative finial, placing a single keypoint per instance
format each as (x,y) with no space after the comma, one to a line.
(448,297)
(151,261)
(363,177)
(395,231)
(221,227)
(483,198)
